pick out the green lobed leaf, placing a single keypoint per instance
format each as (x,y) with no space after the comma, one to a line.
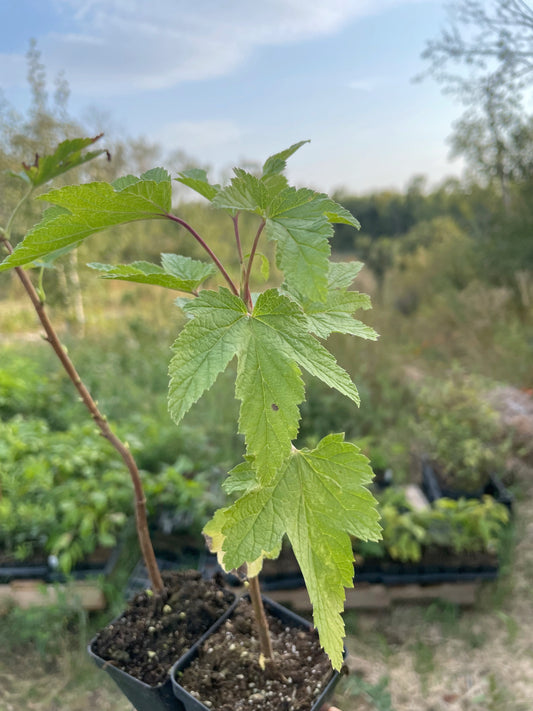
(271,345)
(124,182)
(204,347)
(196,179)
(252,194)
(319,499)
(245,192)
(177,272)
(241,478)
(338,214)
(47,261)
(269,383)
(335,315)
(278,162)
(297,223)
(342,274)
(270,388)
(285,319)
(187,268)
(68,155)
(156,175)
(91,208)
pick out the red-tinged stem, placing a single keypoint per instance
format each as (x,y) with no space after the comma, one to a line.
(265,642)
(140,499)
(246,285)
(237,236)
(207,249)
(245,291)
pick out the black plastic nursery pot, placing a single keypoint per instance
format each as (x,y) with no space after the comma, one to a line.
(435,489)
(394,573)
(143,696)
(287,617)
(23,571)
(46,569)
(101,562)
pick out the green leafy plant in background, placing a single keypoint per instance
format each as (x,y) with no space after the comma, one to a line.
(468,525)
(460,431)
(460,526)
(317,497)
(64,494)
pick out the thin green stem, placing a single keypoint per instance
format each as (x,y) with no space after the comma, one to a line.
(237,236)
(7,230)
(245,292)
(246,284)
(40,288)
(208,249)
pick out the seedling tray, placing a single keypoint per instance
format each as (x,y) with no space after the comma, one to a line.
(434,490)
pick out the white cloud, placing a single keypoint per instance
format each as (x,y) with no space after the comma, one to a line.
(117,46)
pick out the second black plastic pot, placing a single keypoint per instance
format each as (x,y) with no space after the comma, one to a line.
(142,696)
(190,703)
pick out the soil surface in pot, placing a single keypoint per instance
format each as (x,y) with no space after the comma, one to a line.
(155,631)
(227,676)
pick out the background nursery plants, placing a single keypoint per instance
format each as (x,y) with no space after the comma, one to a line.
(317,497)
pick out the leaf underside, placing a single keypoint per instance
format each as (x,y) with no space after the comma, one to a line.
(176,272)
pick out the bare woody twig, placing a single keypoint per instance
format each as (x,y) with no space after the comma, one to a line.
(101,422)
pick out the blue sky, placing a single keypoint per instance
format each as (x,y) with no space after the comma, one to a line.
(226,80)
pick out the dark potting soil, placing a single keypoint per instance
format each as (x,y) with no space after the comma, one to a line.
(227,676)
(154,632)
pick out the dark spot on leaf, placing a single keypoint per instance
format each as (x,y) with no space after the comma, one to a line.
(275,407)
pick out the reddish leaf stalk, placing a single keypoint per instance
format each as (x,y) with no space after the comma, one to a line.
(237,235)
(102,424)
(207,249)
